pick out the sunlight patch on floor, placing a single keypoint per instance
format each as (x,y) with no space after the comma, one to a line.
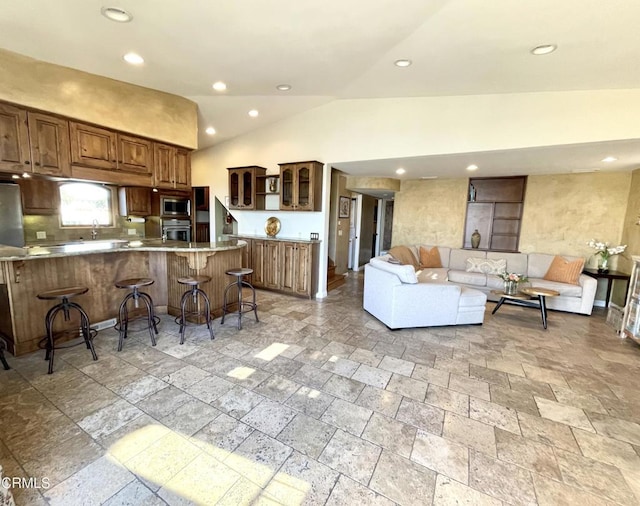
(272,351)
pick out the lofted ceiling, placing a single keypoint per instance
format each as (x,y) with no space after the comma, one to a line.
(335,49)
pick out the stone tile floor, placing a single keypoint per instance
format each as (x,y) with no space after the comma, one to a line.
(321,404)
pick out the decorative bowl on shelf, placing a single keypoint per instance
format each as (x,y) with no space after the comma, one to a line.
(272,226)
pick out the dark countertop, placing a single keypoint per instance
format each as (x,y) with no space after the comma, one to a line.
(10,253)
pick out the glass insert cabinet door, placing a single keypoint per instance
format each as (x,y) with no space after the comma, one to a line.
(234,189)
(304,187)
(247,187)
(286,188)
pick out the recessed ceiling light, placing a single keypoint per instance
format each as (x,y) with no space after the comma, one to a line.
(26,175)
(544,49)
(402,63)
(400,171)
(219,86)
(578,171)
(472,167)
(210,131)
(253,113)
(133,59)
(15,176)
(155,190)
(116,14)
(429,177)
(609,159)
(284,87)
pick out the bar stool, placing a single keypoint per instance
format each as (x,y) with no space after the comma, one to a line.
(193,292)
(134,284)
(243,306)
(65,306)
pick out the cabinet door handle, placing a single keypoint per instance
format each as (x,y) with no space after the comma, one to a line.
(27,162)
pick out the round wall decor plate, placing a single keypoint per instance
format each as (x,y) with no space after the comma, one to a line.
(272,226)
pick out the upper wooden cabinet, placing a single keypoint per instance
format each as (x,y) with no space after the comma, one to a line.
(134,154)
(134,201)
(301,186)
(49,140)
(172,167)
(14,140)
(93,147)
(243,186)
(39,196)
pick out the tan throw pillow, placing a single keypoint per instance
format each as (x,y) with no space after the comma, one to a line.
(404,255)
(486,265)
(564,271)
(430,258)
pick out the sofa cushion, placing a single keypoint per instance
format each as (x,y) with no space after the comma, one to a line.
(443,251)
(539,263)
(564,271)
(565,289)
(516,262)
(432,275)
(405,273)
(405,256)
(468,278)
(471,298)
(486,266)
(495,282)
(430,257)
(458,258)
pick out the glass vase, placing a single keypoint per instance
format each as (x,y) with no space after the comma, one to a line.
(603,264)
(510,287)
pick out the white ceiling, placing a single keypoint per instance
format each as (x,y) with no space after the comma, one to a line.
(345,49)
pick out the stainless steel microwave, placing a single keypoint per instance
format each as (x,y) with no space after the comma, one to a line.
(175,206)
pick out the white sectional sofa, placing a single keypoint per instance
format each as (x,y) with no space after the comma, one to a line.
(393,294)
(391,297)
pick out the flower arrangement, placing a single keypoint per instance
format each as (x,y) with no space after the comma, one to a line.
(605,251)
(512,276)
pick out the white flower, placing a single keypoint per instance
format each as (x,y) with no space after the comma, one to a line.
(603,248)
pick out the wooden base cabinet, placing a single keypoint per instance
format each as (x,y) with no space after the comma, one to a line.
(285,266)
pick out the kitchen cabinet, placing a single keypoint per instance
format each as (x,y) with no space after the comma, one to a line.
(631,318)
(494,208)
(243,185)
(301,186)
(134,154)
(285,266)
(134,201)
(172,167)
(14,140)
(50,145)
(93,146)
(39,196)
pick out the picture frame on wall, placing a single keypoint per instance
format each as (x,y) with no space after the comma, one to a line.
(343,209)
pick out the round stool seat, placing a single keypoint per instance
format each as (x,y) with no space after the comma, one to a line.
(242,271)
(194,280)
(134,282)
(63,293)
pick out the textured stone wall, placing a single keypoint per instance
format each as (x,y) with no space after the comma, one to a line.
(97,99)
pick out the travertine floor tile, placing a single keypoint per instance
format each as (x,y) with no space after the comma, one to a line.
(347,416)
(494,414)
(221,436)
(351,456)
(310,401)
(536,457)
(341,366)
(553,493)
(442,455)
(307,435)
(238,401)
(470,433)
(348,492)
(615,428)
(382,401)
(190,417)
(269,417)
(544,375)
(448,400)
(585,401)
(397,366)
(134,493)
(498,479)
(469,386)
(607,450)
(372,376)
(401,480)
(390,434)
(595,477)
(430,375)
(451,493)
(344,388)
(408,387)
(422,416)
(366,357)
(575,417)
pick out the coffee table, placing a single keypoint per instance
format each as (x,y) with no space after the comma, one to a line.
(523,298)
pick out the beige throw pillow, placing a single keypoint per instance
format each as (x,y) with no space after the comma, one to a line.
(564,271)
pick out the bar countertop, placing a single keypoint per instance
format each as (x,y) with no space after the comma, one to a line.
(10,253)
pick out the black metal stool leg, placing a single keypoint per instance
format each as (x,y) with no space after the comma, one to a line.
(5,364)
(123,322)
(86,328)
(253,291)
(151,312)
(51,315)
(207,308)
(183,315)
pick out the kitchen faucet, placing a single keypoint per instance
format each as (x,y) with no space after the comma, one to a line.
(94,230)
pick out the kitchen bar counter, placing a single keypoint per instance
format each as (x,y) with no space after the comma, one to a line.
(277,238)
(25,272)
